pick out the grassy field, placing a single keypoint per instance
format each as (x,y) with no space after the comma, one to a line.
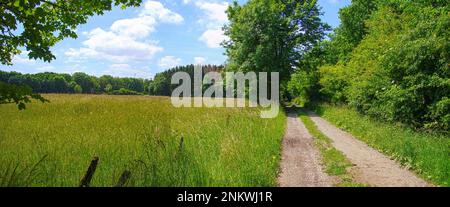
(334,161)
(52,144)
(425,153)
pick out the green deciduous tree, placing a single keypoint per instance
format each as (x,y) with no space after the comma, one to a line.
(37,25)
(271,35)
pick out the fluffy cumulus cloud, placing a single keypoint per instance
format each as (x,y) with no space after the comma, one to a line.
(212,19)
(139,27)
(157,10)
(126,39)
(169,62)
(114,47)
(215,15)
(22,58)
(213,38)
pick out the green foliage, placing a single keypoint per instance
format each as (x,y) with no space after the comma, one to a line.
(300,87)
(38,25)
(351,31)
(124,91)
(400,69)
(276,36)
(271,36)
(20,95)
(389,59)
(440,113)
(77,88)
(334,83)
(76,83)
(85,81)
(161,84)
(108,88)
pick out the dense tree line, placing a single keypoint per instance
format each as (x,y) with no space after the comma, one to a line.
(79,82)
(388,59)
(161,84)
(76,83)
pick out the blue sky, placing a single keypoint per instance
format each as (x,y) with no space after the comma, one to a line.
(140,42)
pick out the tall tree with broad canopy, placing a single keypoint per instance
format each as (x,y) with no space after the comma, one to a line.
(272,35)
(37,25)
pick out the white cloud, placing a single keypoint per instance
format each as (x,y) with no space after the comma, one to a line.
(213,38)
(157,10)
(125,70)
(215,15)
(152,13)
(23,58)
(125,41)
(136,27)
(199,60)
(114,47)
(214,18)
(169,62)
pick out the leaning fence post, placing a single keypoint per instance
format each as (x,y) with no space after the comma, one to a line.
(86,180)
(123,178)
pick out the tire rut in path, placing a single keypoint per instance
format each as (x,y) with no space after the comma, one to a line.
(372,167)
(300,164)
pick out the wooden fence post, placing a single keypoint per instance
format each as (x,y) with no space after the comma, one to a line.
(86,180)
(123,178)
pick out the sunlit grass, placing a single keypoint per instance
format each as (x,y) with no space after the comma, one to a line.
(220,147)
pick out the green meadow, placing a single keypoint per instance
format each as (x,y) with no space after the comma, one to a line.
(52,144)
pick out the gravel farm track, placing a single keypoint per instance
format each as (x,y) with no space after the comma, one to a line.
(301,167)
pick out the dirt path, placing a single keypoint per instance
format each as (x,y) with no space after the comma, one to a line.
(372,167)
(300,165)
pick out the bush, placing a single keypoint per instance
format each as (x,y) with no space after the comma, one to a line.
(300,87)
(334,83)
(77,89)
(123,91)
(400,70)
